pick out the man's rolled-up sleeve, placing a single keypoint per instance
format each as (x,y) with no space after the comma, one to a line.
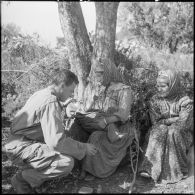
(54,135)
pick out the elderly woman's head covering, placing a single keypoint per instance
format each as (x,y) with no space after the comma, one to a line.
(106,69)
(172,79)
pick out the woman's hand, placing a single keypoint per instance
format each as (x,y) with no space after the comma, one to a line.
(91,149)
(102,123)
(172,120)
(165,115)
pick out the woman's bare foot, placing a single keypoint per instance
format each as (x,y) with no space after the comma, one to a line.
(82,175)
(89,177)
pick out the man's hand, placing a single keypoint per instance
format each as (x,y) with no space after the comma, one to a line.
(91,149)
(71,109)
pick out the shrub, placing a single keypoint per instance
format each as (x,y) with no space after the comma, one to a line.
(28,54)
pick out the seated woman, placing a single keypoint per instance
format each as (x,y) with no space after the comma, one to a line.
(171,134)
(109,101)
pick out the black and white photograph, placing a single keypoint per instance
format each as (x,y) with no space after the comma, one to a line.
(97,97)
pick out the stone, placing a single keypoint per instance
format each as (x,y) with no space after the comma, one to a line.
(85,190)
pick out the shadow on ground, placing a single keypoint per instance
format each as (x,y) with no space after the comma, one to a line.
(112,184)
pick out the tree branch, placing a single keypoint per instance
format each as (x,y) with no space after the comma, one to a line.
(23,71)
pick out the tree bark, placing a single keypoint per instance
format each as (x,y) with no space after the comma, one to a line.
(106,17)
(104,44)
(76,40)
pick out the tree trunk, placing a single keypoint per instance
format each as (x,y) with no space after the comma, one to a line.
(77,41)
(104,44)
(173,45)
(106,17)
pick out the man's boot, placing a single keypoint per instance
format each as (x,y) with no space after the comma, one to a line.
(20,185)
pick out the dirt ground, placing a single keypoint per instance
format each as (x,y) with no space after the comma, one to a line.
(116,183)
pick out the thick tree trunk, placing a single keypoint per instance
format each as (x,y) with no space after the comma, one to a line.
(77,41)
(104,44)
(106,17)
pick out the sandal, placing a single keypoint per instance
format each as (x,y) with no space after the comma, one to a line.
(145,174)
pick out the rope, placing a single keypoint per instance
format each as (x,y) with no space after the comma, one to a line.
(31,67)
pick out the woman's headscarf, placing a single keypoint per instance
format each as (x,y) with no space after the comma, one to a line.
(109,71)
(171,78)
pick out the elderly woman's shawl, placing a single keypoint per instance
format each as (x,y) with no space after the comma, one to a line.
(166,154)
(115,100)
(173,80)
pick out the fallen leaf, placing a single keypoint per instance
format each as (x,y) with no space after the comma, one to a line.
(125,185)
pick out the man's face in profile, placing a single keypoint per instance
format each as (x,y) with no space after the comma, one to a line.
(66,91)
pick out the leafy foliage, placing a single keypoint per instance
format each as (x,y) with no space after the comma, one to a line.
(8,32)
(163,25)
(36,62)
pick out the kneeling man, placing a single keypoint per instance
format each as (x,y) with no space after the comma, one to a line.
(37,142)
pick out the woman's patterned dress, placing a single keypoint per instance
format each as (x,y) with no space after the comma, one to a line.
(168,142)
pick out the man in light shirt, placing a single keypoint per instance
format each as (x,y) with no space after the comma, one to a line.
(38,143)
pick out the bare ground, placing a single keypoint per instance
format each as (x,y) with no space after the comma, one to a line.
(116,183)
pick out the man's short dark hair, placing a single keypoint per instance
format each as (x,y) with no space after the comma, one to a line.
(65,76)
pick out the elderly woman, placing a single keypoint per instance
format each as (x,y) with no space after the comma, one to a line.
(171,134)
(108,102)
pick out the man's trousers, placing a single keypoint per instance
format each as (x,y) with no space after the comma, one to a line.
(37,161)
